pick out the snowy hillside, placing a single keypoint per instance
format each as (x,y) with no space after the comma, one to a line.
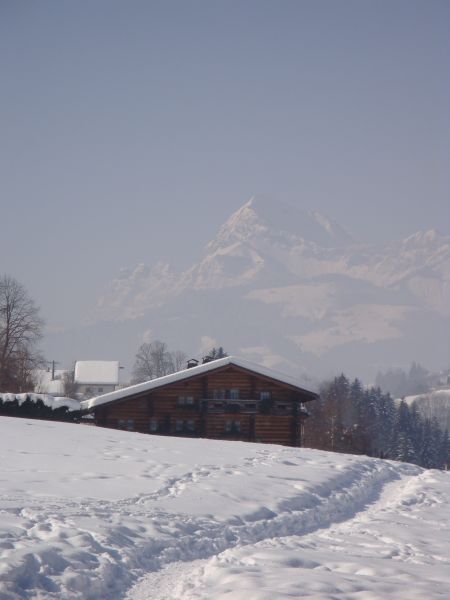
(318,293)
(86,512)
(434,404)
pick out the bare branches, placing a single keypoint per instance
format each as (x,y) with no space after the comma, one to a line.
(155,360)
(20,331)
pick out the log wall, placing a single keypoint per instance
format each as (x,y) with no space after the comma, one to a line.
(188,408)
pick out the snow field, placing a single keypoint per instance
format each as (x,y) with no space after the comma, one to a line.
(85,512)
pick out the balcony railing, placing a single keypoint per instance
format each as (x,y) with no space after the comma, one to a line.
(251,406)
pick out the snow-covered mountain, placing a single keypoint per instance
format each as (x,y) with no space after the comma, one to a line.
(285,286)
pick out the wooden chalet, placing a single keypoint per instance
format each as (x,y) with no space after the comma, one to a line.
(229,398)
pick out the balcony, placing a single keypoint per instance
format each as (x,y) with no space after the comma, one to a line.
(249,406)
(229,406)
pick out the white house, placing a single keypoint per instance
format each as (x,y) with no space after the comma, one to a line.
(96,377)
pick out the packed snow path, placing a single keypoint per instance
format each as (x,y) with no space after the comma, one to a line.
(86,512)
(396,548)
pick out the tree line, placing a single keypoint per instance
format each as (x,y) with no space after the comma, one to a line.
(402,383)
(350,418)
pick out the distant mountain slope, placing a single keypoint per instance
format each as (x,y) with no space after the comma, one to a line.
(299,286)
(434,404)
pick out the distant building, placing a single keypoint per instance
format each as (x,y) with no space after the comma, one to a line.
(96,377)
(228,398)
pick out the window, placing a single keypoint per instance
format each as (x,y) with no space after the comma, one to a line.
(153,425)
(302,408)
(233,426)
(100,389)
(121,424)
(234,394)
(185,401)
(265,402)
(130,424)
(219,394)
(184,426)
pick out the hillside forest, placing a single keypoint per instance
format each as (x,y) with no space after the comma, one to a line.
(350,418)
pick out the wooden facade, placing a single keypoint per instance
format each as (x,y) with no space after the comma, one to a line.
(227,402)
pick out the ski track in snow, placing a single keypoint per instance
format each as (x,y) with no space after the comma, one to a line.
(47,523)
(213,514)
(240,572)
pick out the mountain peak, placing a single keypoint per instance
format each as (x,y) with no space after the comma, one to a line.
(261,215)
(425,237)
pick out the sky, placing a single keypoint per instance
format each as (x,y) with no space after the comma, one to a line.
(131,130)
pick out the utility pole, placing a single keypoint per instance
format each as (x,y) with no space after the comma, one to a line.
(54,363)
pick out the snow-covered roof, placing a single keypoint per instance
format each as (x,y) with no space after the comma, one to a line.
(98,372)
(187,373)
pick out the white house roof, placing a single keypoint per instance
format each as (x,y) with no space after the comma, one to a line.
(186,373)
(100,372)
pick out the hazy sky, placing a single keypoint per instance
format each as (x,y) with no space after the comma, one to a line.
(131,129)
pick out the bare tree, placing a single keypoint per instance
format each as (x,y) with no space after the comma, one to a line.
(69,384)
(143,369)
(20,331)
(155,360)
(179,359)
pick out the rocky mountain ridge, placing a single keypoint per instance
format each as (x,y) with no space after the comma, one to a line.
(297,279)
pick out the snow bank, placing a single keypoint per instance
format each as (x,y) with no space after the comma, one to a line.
(85,512)
(49,401)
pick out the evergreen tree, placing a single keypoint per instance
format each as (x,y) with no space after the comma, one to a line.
(386,421)
(357,434)
(215,353)
(416,433)
(427,447)
(437,436)
(444,451)
(335,412)
(402,447)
